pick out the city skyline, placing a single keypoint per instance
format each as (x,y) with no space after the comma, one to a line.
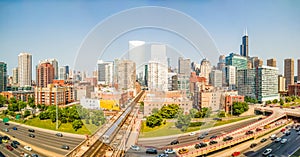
(46,36)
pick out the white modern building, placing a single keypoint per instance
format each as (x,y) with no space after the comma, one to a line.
(24,69)
(157,76)
(90,103)
(15,76)
(216,78)
(230,75)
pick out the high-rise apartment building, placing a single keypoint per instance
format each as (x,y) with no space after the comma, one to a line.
(230,74)
(256,62)
(44,74)
(54,63)
(244,50)
(3,76)
(15,76)
(216,78)
(289,72)
(271,62)
(157,76)
(205,69)
(281,83)
(298,68)
(221,66)
(105,72)
(184,66)
(63,72)
(126,74)
(260,83)
(25,69)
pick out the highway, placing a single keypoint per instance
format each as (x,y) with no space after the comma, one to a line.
(186,139)
(44,140)
(279,150)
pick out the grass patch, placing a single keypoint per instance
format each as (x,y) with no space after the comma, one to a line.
(218,123)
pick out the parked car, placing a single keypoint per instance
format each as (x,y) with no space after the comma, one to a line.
(163,155)
(6,130)
(298,133)
(6,123)
(273,137)
(205,133)
(263,140)
(135,147)
(169,151)
(217,119)
(283,130)
(65,147)
(34,155)
(267,152)
(283,141)
(174,142)
(253,145)
(28,148)
(183,151)
(151,151)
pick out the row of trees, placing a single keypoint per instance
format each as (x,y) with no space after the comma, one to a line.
(282,101)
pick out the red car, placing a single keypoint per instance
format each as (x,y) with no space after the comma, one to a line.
(258,129)
(9,147)
(282,130)
(235,153)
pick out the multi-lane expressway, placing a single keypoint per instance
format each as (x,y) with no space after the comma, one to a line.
(43,140)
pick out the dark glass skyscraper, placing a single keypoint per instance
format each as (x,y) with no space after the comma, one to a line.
(3,76)
(244,51)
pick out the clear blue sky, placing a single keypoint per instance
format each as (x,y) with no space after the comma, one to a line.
(55,29)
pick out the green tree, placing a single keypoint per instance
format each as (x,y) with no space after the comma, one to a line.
(3,100)
(198,114)
(239,108)
(183,121)
(169,111)
(268,102)
(205,112)
(77,124)
(193,112)
(275,101)
(222,114)
(154,120)
(288,99)
(281,102)
(26,113)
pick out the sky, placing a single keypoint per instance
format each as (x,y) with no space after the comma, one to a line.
(57,29)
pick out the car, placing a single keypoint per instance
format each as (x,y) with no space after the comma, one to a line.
(31,135)
(298,132)
(192,133)
(34,155)
(135,147)
(267,152)
(212,142)
(162,155)
(271,155)
(293,107)
(31,130)
(263,140)
(6,123)
(151,151)
(283,141)
(297,129)
(16,142)
(258,129)
(249,132)
(253,145)
(174,142)
(59,134)
(65,147)
(5,139)
(15,128)
(26,155)
(278,139)
(14,145)
(287,133)
(217,119)
(273,136)
(169,151)
(235,154)
(227,138)
(183,151)
(28,148)
(213,136)
(6,130)
(200,145)
(201,137)
(9,147)
(205,133)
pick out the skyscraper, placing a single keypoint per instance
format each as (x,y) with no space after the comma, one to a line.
(240,62)
(298,68)
(44,74)
(126,74)
(15,76)
(230,75)
(184,66)
(157,76)
(271,62)
(205,69)
(3,76)
(221,66)
(289,72)
(216,78)
(105,72)
(244,51)
(25,69)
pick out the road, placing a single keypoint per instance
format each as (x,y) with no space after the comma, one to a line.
(186,139)
(44,140)
(279,150)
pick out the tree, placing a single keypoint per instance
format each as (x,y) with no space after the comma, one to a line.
(222,114)
(205,112)
(281,102)
(169,111)
(154,120)
(198,114)
(183,121)
(77,124)
(239,108)
(26,113)
(268,102)
(288,99)
(3,100)
(275,101)
(193,112)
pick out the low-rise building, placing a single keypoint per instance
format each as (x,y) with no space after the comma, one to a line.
(294,90)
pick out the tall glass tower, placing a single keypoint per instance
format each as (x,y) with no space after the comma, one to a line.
(244,50)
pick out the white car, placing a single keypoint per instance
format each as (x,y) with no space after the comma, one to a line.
(283,141)
(26,155)
(169,151)
(278,139)
(273,136)
(298,132)
(28,148)
(267,151)
(134,147)
(192,134)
